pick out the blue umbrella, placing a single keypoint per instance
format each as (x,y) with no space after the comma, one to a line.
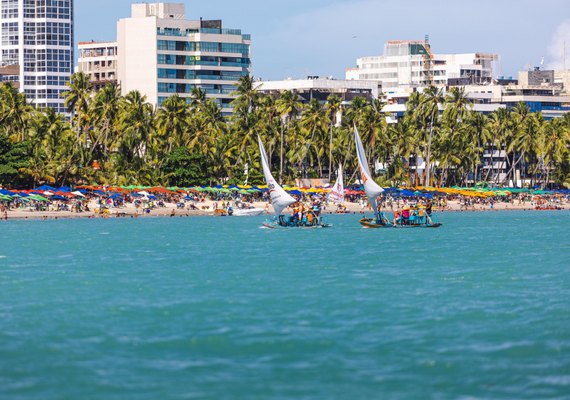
(44,188)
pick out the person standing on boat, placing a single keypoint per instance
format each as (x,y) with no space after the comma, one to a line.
(428,212)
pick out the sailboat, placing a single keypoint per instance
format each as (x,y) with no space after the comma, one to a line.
(336,195)
(280,199)
(373,190)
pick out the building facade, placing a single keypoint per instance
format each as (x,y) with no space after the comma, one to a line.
(160,53)
(315,87)
(98,60)
(411,63)
(37,36)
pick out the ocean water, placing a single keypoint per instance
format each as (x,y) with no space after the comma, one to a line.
(217,308)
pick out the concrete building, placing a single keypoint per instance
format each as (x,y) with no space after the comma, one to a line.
(315,87)
(160,53)
(536,77)
(411,64)
(37,37)
(99,61)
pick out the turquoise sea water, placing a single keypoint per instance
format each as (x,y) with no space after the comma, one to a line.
(216,308)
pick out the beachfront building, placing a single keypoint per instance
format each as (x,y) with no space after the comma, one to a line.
(36,48)
(315,87)
(98,60)
(161,53)
(411,63)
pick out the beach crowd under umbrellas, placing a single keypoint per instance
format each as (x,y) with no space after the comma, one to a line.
(46,201)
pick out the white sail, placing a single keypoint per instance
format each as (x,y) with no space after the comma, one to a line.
(336,195)
(280,199)
(370,187)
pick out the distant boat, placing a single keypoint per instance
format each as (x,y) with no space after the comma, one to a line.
(280,200)
(248,212)
(336,195)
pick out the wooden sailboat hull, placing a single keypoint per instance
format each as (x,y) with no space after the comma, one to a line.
(370,223)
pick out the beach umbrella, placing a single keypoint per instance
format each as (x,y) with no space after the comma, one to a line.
(37,197)
(44,188)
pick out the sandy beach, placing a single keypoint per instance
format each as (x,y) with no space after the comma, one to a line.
(206,208)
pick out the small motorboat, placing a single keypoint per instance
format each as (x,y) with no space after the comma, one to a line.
(248,212)
(245,210)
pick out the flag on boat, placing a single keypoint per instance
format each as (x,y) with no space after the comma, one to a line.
(370,187)
(280,199)
(336,195)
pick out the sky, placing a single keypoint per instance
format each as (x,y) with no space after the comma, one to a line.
(296,38)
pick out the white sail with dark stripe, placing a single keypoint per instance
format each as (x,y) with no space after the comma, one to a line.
(370,187)
(280,199)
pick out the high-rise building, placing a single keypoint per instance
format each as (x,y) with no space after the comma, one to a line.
(160,53)
(411,63)
(37,37)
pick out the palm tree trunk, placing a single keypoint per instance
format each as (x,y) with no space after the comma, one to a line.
(428,169)
(281,157)
(330,151)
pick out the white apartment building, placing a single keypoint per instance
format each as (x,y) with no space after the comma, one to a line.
(98,60)
(411,63)
(37,37)
(160,53)
(315,87)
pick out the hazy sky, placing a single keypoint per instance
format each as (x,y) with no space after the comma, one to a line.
(295,38)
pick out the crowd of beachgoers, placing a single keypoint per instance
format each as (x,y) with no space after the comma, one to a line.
(45,202)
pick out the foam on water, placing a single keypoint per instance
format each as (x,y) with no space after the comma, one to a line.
(217,308)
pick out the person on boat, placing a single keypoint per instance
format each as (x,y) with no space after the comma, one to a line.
(310,218)
(405,215)
(381,218)
(396,218)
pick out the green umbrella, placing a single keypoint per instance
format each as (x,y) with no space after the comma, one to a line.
(37,197)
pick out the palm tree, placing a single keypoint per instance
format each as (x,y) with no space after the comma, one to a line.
(313,121)
(332,108)
(105,111)
(477,130)
(289,106)
(430,102)
(13,112)
(77,98)
(172,121)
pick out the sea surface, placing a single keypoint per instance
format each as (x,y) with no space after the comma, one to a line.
(217,308)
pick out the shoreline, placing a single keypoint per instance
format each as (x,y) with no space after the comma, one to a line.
(172,212)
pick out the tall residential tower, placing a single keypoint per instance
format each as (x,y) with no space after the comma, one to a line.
(160,53)
(37,46)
